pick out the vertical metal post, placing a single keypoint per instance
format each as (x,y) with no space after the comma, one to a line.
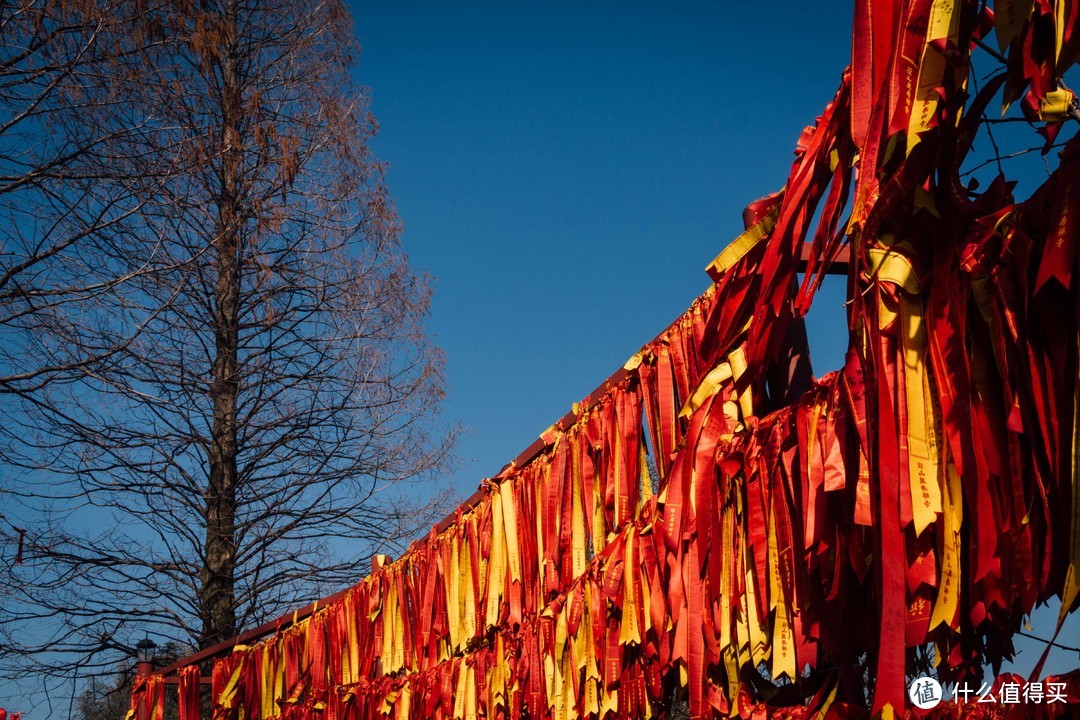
(144,667)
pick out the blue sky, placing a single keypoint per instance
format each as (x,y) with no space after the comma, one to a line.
(566,170)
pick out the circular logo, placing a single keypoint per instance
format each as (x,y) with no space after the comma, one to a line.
(925,692)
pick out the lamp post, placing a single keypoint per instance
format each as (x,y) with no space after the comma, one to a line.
(144,654)
(144,651)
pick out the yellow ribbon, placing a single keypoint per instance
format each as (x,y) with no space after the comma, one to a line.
(744,243)
(944,23)
(921,443)
(948,596)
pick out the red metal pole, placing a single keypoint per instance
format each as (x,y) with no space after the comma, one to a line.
(143,669)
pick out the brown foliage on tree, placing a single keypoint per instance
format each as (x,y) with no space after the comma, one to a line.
(266,383)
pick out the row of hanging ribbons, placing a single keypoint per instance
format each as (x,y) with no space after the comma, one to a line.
(697,530)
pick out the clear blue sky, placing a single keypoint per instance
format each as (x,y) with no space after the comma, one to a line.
(566,170)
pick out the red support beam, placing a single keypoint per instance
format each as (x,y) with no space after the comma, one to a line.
(249,635)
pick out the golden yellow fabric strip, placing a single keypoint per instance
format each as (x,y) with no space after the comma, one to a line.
(592,703)
(709,386)
(944,22)
(538,534)
(557,688)
(468,591)
(599,531)
(452,578)
(726,561)
(577,521)
(459,696)
(1055,105)
(351,649)
(1061,21)
(577,644)
(399,630)
(470,692)
(922,454)
(816,411)
(509,514)
(741,634)
(948,596)
(629,630)
(592,667)
(386,705)
(388,606)
(227,697)
(610,701)
(269,707)
(737,358)
(783,646)
(496,562)
(823,711)
(731,666)
(888,265)
(404,703)
(549,670)
(759,644)
(620,509)
(743,244)
(497,686)
(646,478)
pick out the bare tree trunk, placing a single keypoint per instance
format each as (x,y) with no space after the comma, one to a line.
(218,595)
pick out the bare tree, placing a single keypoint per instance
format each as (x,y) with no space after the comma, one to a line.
(266,383)
(109,698)
(59,234)
(64,238)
